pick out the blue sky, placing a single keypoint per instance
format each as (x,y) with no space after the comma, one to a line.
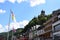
(24,11)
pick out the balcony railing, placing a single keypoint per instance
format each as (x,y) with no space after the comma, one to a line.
(57,22)
(49,25)
(58,16)
(56,33)
(42,32)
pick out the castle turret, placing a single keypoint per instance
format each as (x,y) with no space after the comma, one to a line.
(43,12)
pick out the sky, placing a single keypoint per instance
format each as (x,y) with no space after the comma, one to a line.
(24,11)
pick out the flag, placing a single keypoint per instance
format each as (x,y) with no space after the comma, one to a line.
(14,30)
(13,19)
(13,16)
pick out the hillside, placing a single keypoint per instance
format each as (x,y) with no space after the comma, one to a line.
(18,31)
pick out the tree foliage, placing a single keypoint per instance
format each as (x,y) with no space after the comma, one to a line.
(18,31)
(37,21)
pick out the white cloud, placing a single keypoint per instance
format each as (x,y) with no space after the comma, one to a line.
(13,1)
(23,23)
(1,28)
(36,2)
(19,1)
(31,2)
(20,24)
(2,1)
(2,11)
(16,25)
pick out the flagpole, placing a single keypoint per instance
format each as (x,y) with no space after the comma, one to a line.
(8,27)
(12,30)
(13,26)
(12,34)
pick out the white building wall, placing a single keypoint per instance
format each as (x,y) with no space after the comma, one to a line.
(30,35)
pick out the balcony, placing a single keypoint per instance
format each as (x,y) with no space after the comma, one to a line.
(57,22)
(39,32)
(48,31)
(56,33)
(58,16)
(48,25)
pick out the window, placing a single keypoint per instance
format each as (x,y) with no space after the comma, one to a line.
(57,28)
(56,37)
(59,17)
(58,13)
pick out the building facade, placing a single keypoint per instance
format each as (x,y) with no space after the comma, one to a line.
(56,26)
(33,32)
(50,30)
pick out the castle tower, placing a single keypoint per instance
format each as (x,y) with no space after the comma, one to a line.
(43,12)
